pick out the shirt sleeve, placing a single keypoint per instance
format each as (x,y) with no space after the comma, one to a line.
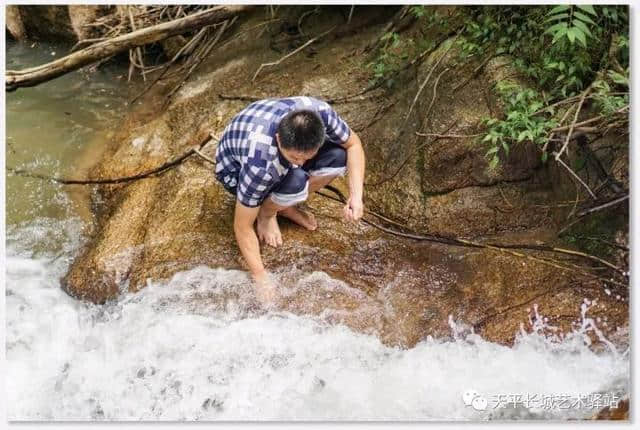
(254,184)
(336,128)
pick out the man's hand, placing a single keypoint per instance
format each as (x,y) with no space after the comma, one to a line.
(354,209)
(265,289)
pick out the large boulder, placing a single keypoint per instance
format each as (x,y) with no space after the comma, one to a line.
(399,289)
(52,22)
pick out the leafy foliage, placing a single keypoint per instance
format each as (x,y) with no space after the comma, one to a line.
(397,51)
(559,49)
(524,121)
(562,49)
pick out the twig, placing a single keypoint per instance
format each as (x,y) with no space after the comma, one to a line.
(194,40)
(138,50)
(573,124)
(350,14)
(200,58)
(563,164)
(564,117)
(475,72)
(200,154)
(387,28)
(303,16)
(424,83)
(603,206)
(590,120)
(448,136)
(435,92)
(417,60)
(295,51)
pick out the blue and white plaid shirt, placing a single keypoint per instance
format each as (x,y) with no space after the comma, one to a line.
(247,157)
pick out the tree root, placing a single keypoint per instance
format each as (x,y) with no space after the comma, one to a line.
(501,248)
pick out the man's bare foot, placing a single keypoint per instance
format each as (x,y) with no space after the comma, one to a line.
(300,217)
(269,231)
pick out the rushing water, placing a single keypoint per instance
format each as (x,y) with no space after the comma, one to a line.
(158,355)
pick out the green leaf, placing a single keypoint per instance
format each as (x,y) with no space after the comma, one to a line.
(555,28)
(559,8)
(571,35)
(521,136)
(506,147)
(587,8)
(559,35)
(487,137)
(493,150)
(557,17)
(583,17)
(582,26)
(580,35)
(493,163)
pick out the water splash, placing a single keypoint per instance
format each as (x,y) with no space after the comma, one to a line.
(198,347)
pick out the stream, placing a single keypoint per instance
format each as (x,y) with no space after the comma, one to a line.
(157,355)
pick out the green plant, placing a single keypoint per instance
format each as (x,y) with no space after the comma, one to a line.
(562,50)
(390,59)
(572,22)
(396,52)
(523,121)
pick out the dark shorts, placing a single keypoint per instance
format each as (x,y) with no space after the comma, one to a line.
(329,161)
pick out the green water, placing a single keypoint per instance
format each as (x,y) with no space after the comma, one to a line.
(50,127)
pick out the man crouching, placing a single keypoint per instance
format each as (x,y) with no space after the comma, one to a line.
(272,156)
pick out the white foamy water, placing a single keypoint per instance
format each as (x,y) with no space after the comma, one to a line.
(170,353)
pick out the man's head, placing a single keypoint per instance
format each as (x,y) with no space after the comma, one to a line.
(300,134)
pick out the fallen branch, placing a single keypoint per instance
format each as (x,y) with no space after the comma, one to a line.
(36,75)
(275,63)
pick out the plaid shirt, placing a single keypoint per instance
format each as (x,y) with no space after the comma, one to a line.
(247,157)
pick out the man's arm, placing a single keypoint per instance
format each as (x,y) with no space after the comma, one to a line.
(247,240)
(355,169)
(243,220)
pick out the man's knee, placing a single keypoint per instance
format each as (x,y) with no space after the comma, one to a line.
(330,162)
(293,189)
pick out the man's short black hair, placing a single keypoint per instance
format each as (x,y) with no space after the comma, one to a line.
(302,130)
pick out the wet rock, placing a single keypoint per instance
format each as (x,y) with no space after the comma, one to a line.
(52,22)
(397,289)
(13,22)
